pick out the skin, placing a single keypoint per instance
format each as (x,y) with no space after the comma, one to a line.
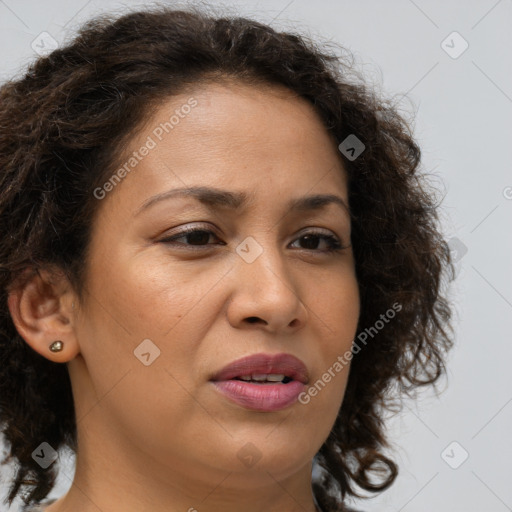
(161,437)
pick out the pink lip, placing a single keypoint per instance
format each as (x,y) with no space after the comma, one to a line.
(263,397)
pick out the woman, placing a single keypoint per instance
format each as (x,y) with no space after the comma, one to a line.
(219,267)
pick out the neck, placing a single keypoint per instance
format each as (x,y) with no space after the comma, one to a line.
(111,477)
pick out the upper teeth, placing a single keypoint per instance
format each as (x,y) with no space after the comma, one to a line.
(272,377)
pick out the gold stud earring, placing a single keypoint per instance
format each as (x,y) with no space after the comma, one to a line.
(56,346)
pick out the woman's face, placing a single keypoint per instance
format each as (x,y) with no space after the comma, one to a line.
(162,318)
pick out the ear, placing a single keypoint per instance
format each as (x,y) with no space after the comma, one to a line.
(41,307)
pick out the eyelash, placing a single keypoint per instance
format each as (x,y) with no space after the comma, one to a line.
(335,244)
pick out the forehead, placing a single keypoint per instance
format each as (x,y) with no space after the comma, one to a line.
(236,136)
(243,113)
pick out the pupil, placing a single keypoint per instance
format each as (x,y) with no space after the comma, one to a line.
(198,237)
(309,239)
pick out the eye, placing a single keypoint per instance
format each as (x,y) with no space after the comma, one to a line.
(197,238)
(312,238)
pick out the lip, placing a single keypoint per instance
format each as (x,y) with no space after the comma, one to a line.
(263,397)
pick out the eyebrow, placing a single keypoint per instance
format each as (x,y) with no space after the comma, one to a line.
(215,198)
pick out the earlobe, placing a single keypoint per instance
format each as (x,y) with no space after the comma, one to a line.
(41,310)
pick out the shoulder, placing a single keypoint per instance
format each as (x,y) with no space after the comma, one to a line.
(38,507)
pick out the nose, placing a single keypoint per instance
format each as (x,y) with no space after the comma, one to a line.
(266,293)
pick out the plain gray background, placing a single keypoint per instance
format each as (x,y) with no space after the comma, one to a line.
(462,102)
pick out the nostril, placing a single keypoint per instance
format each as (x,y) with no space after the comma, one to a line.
(253,319)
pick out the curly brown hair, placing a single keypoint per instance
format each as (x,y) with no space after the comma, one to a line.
(62,129)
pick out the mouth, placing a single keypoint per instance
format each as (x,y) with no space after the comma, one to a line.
(271,378)
(263,382)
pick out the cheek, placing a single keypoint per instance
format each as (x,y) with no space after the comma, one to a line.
(133,304)
(337,312)
(163,293)
(147,297)
(335,307)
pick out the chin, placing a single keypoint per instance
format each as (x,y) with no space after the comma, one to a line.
(269,450)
